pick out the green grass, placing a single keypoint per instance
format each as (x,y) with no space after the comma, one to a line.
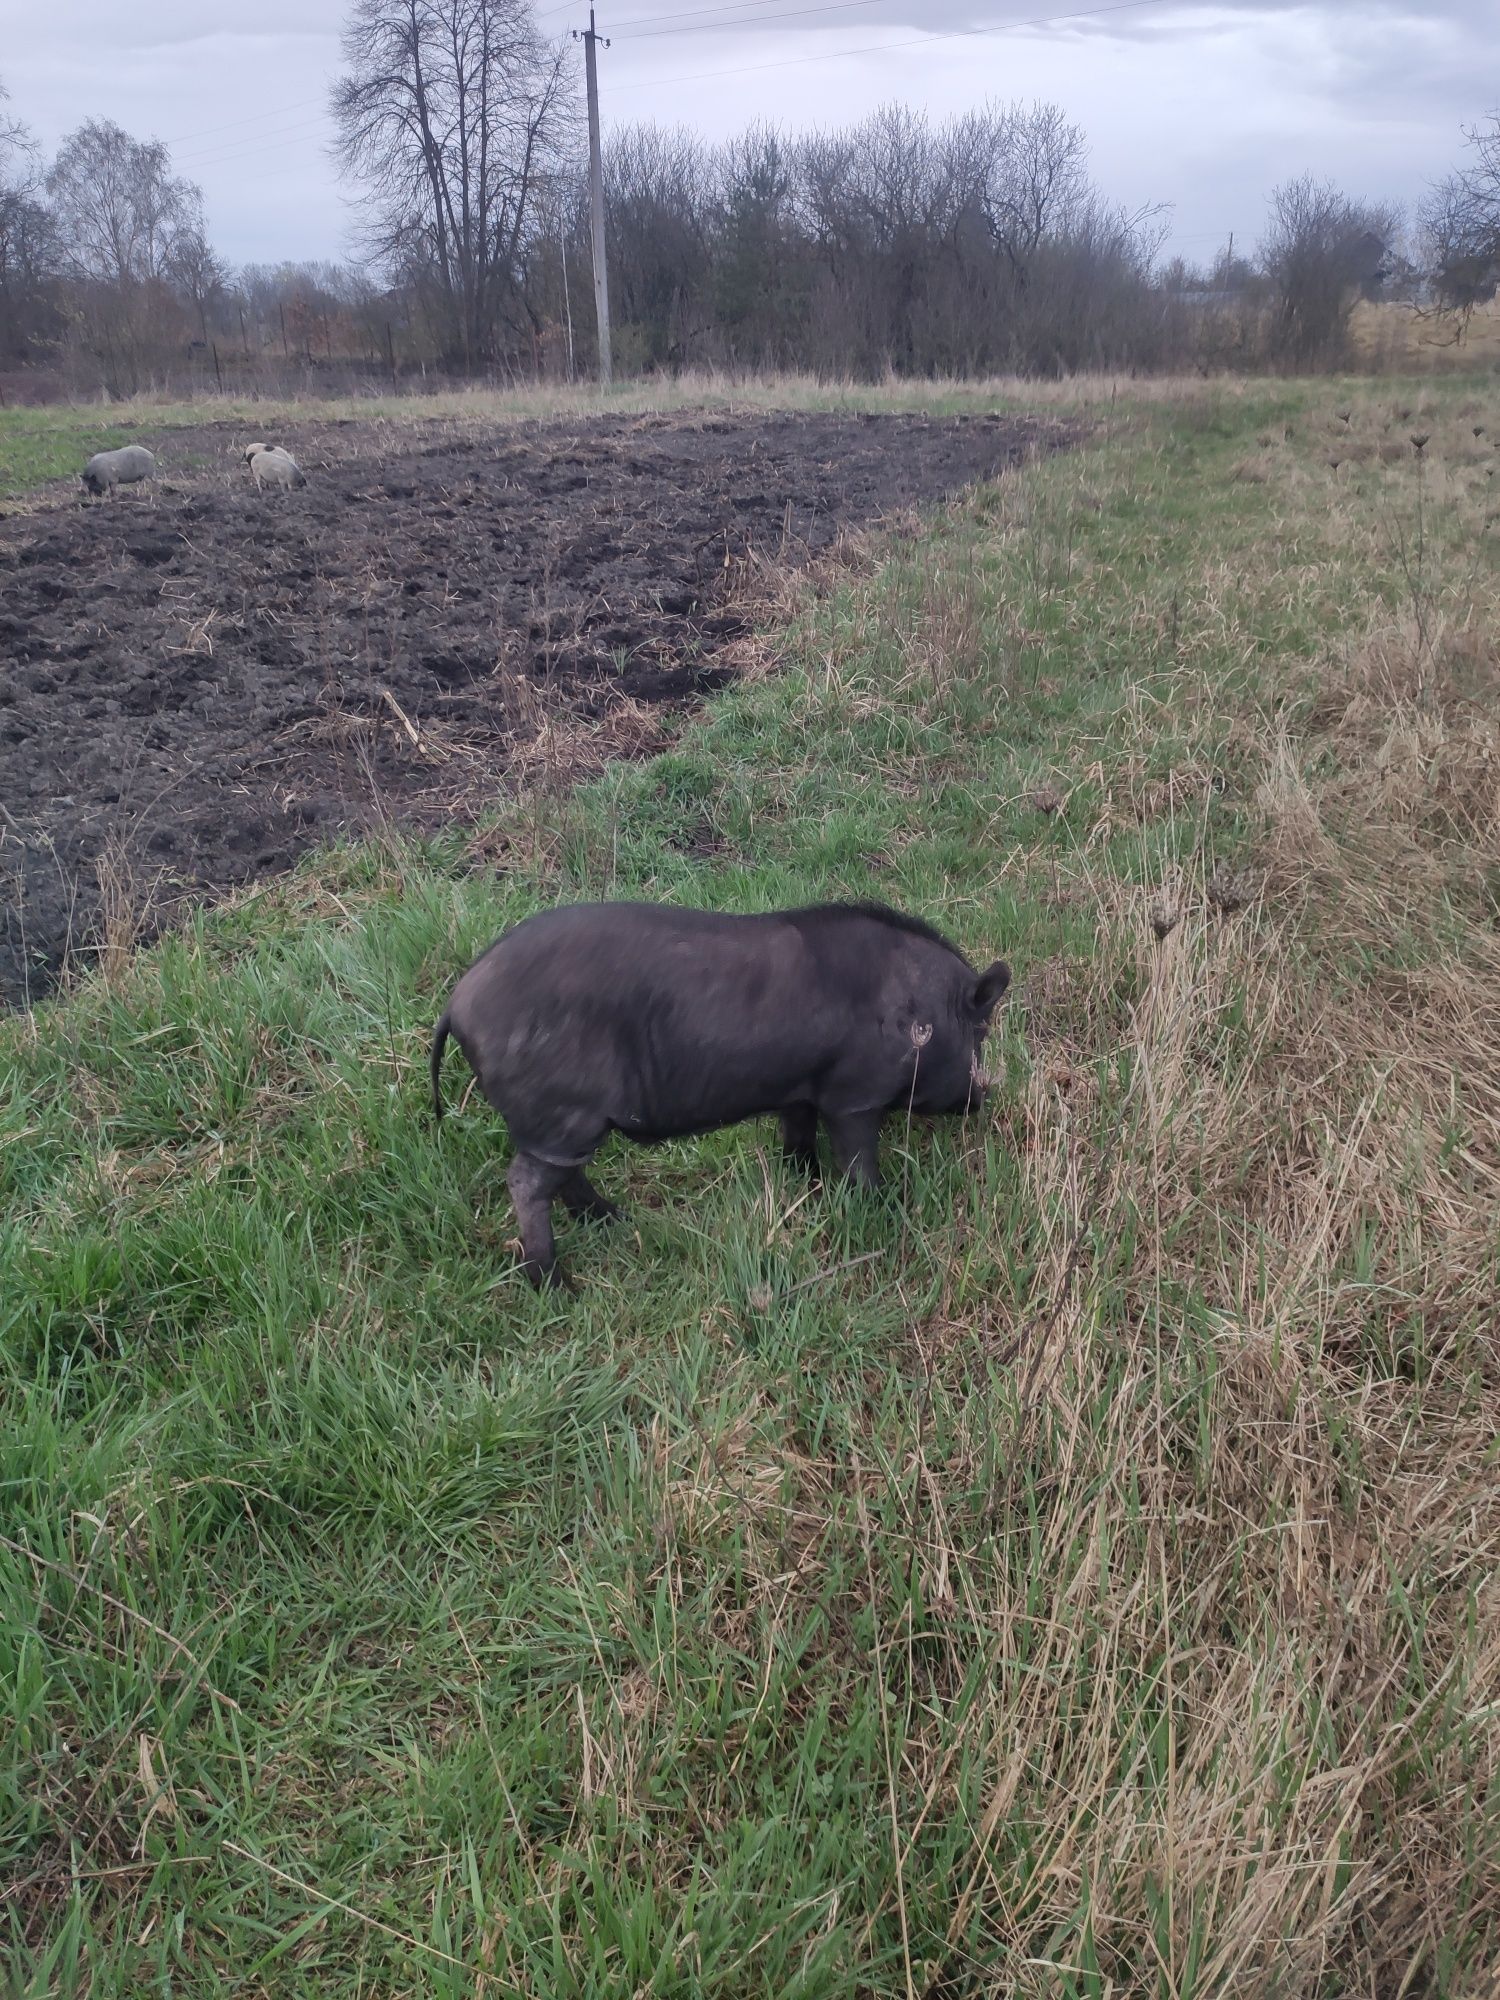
(1072,1572)
(37,446)
(41,445)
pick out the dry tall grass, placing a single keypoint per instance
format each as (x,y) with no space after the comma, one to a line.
(1254,1745)
(1309,1143)
(1399,339)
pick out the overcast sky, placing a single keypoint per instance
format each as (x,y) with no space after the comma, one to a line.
(1203,106)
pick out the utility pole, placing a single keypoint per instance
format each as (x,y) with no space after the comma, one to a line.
(567,300)
(590,38)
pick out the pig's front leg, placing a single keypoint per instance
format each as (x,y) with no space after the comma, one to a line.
(856,1146)
(799,1139)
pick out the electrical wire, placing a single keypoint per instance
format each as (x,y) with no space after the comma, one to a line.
(213,156)
(889,48)
(210,157)
(212,131)
(754,69)
(676,14)
(748,21)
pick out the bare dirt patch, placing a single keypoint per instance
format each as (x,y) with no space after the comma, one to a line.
(199,682)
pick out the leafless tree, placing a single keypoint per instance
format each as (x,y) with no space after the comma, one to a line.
(29,308)
(971,245)
(121,214)
(120,209)
(199,275)
(657,187)
(756,298)
(450,115)
(1321,250)
(1461,222)
(1031,175)
(20,164)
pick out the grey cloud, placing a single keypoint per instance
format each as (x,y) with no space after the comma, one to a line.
(164,25)
(707,24)
(1202,103)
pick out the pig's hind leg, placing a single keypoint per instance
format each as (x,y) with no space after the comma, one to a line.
(534,1185)
(583,1200)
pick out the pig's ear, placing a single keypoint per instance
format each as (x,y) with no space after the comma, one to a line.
(991,986)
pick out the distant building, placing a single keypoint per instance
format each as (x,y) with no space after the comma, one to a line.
(1373,265)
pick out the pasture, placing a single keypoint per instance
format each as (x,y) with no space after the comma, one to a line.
(1074,1571)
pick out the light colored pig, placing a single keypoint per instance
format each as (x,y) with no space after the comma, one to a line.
(276,468)
(109,469)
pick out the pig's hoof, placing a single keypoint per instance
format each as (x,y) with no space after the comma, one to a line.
(547,1277)
(586,1204)
(599,1211)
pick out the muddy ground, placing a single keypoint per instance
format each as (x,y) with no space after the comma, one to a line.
(199,682)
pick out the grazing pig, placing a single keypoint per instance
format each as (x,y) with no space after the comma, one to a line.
(252,449)
(276,468)
(659,1022)
(108,469)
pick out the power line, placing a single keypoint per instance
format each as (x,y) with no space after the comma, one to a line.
(685,16)
(790,62)
(749,21)
(568,7)
(912,42)
(682,14)
(212,131)
(722,7)
(213,158)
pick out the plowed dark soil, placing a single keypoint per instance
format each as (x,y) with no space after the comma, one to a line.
(198,681)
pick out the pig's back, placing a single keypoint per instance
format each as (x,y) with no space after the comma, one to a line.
(657,1021)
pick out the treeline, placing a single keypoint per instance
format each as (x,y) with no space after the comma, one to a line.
(979,245)
(108,278)
(976,245)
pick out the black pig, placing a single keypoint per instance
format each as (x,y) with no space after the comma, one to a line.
(659,1022)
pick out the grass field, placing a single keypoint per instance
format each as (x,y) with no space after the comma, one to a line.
(1398,337)
(1075,1572)
(38,445)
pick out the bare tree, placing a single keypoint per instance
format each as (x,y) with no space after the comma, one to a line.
(757,291)
(450,116)
(1461,222)
(1032,178)
(974,244)
(20,165)
(29,312)
(1321,250)
(199,275)
(656,182)
(121,213)
(120,209)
